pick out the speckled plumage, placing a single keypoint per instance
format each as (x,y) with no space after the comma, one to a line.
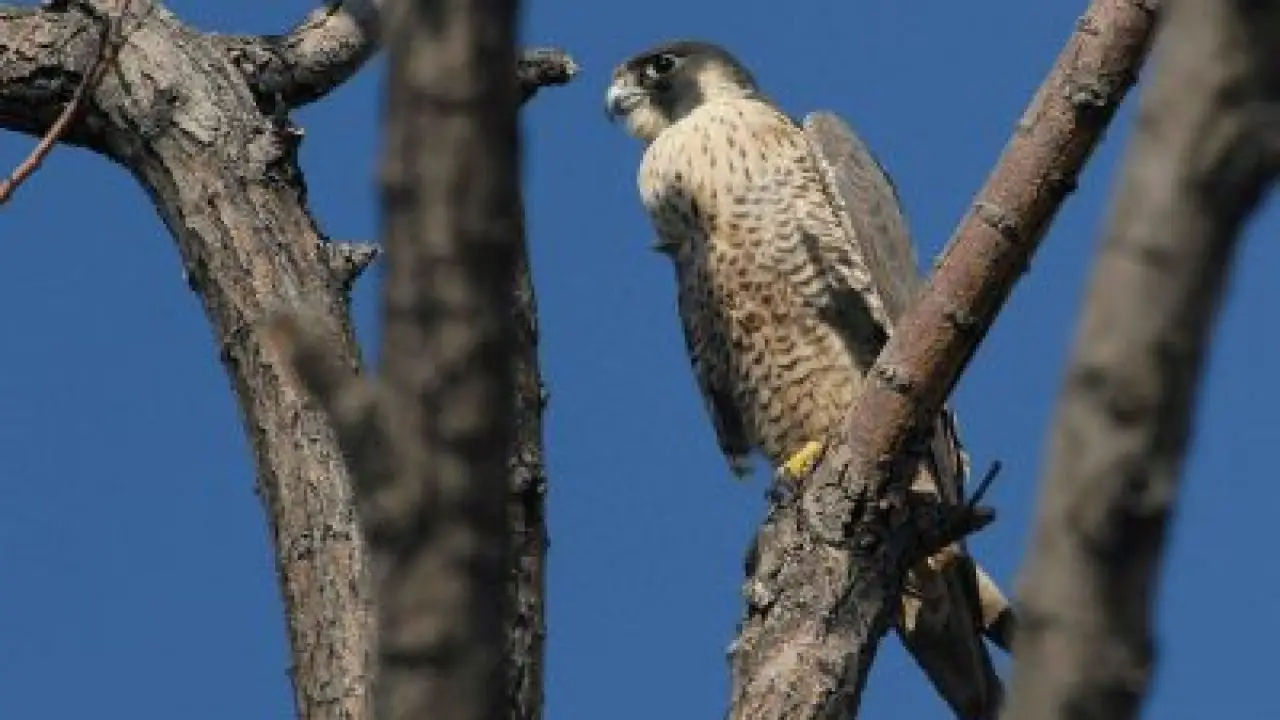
(779,314)
(790,271)
(779,343)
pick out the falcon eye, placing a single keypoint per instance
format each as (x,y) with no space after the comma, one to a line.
(662,64)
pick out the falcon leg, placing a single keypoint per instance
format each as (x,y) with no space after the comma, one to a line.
(801,464)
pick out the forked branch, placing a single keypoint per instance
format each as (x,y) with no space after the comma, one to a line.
(430,441)
(218,158)
(108,45)
(829,563)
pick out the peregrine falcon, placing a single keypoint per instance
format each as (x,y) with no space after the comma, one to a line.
(792,263)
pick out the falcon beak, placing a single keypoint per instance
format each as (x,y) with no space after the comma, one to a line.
(621,99)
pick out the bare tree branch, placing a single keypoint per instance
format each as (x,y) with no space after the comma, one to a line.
(829,563)
(321,53)
(222,170)
(348,260)
(57,45)
(432,457)
(937,618)
(438,531)
(543,67)
(363,432)
(526,510)
(334,41)
(109,44)
(1204,151)
(225,180)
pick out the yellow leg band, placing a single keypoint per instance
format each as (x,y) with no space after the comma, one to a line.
(801,464)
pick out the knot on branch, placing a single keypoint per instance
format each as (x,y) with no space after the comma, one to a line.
(348,260)
(939,526)
(834,512)
(543,67)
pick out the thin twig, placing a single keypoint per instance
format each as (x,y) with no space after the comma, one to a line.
(981,490)
(107,49)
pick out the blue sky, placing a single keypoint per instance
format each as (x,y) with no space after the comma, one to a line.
(135,574)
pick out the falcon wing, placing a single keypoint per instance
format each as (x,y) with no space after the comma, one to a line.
(939,624)
(870,204)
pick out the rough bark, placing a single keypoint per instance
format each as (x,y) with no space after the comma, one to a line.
(526,511)
(829,560)
(431,440)
(437,522)
(211,143)
(1204,151)
(303,65)
(225,180)
(941,608)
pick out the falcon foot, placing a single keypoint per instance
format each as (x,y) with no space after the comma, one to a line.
(801,464)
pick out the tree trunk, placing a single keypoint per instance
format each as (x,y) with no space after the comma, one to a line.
(201,121)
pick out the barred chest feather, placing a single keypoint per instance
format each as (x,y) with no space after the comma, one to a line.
(715,185)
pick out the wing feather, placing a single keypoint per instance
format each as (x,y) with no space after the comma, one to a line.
(870,208)
(939,626)
(869,204)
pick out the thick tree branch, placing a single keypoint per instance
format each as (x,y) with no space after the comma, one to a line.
(222,170)
(365,438)
(1204,151)
(829,565)
(46,57)
(334,41)
(321,53)
(438,528)
(941,599)
(432,453)
(224,178)
(526,511)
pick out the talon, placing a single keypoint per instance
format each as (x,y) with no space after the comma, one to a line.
(801,464)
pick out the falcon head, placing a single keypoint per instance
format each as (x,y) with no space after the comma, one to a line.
(658,87)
